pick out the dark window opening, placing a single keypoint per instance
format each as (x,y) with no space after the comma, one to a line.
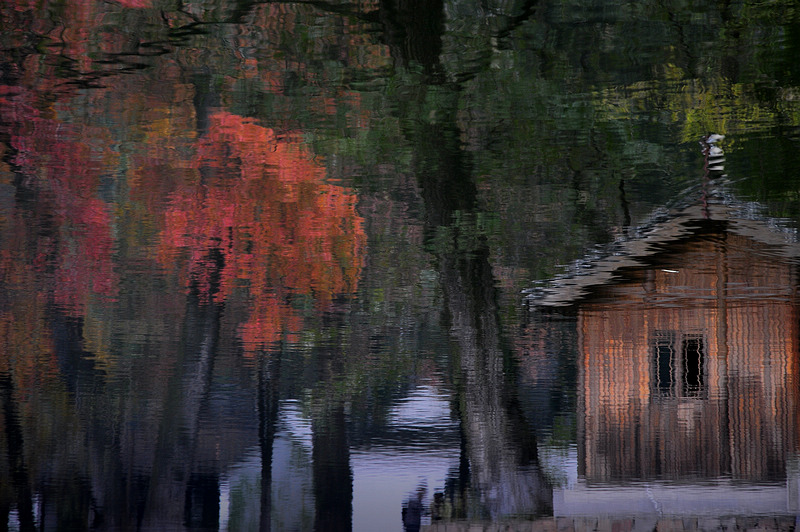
(693,362)
(663,365)
(678,365)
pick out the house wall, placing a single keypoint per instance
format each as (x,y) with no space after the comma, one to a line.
(689,369)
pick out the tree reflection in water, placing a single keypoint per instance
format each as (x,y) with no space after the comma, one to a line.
(196,335)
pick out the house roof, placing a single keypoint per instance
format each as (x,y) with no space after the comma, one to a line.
(664,227)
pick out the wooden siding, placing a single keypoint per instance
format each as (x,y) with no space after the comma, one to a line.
(689,369)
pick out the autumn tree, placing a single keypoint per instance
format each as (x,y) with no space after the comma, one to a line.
(260,216)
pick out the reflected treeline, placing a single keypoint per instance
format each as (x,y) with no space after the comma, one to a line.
(176,475)
(498,445)
(332,474)
(268,402)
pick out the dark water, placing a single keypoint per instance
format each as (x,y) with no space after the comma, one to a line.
(399,265)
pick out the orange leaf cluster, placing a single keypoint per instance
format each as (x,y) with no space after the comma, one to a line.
(262,205)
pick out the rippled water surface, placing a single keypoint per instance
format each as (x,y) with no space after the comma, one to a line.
(419,265)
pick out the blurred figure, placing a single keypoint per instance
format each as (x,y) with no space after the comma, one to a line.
(413,511)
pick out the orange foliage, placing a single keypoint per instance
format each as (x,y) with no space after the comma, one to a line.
(262,204)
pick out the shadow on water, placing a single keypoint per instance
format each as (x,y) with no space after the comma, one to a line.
(18,473)
(175,474)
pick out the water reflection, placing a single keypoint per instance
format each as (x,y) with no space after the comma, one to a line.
(261,263)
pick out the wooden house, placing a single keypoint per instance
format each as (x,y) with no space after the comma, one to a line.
(688,353)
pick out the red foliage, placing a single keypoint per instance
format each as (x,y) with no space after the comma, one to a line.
(63,167)
(134,3)
(263,205)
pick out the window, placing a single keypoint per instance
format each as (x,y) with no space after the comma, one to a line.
(678,367)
